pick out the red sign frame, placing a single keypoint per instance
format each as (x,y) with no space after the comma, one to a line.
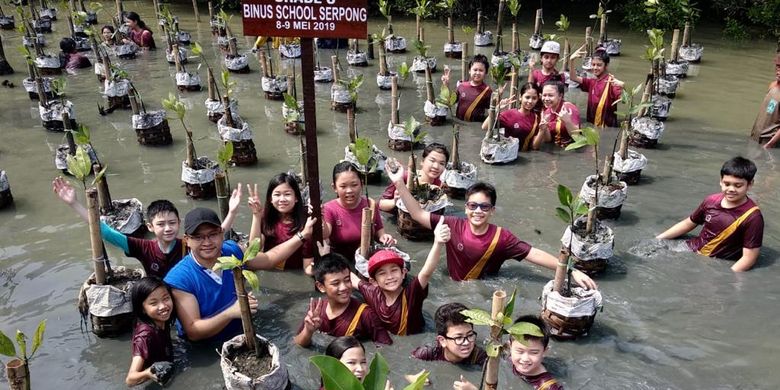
(305,18)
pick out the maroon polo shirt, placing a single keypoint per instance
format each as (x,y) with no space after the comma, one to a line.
(467,94)
(543,381)
(595,89)
(369,326)
(345,226)
(154,261)
(390,316)
(282,233)
(523,126)
(151,344)
(539,78)
(716,218)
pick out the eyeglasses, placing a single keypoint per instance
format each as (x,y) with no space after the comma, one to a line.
(482,206)
(213,236)
(463,340)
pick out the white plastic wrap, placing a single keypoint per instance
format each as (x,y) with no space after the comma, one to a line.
(216,106)
(377,156)
(500,59)
(340,94)
(61,155)
(398,132)
(184,37)
(199,176)
(536,41)
(171,59)
(361,263)
(236,134)
(236,63)
(432,110)
(483,39)
(462,179)
(691,53)
(455,47)
(116,88)
(357,58)
(635,162)
(274,84)
(323,74)
(395,43)
(277,379)
(503,150)
(607,198)
(290,50)
(385,82)
(134,220)
(30,41)
(587,249)
(127,50)
(187,79)
(287,111)
(106,300)
(582,303)
(440,204)
(649,127)
(419,63)
(147,120)
(48,62)
(667,85)
(48,13)
(661,106)
(679,68)
(30,85)
(4,186)
(53,111)
(613,46)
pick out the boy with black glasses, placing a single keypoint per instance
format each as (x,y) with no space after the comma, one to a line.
(476,247)
(455,338)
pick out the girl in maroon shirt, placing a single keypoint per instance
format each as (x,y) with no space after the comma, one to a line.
(283,218)
(522,123)
(559,118)
(435,157)
(139,33)
(152,348)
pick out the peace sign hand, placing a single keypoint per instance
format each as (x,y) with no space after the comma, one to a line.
(313,321)
(253,200)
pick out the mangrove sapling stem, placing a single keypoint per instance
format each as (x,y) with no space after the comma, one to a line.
(365,232)
(411,167)
(492,116)
(538,22)
(246,313)
(497,312)
(499,29)
(429,85)
(686,41)
(464,63)
(603,28)
(195,9)
(176,59)
(351,125)
(513,87)
(675,37)
(560,270)
(96,241)
(18,373)
(334,63)
(646,95)
(390,24)
(383,60)
(566,51)
(394,100)
(221,184)
(455,156)
(261,57)
(228,114)
(211,12)
(370,50)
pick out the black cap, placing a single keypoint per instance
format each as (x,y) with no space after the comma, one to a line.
(199,216)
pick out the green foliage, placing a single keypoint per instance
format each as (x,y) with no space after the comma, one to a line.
(421,48)
(467,29)
(662,14)
(118,73)
(58,86)
(226,82)
(514,7)
(522,329)
(563,24)
(363,150)
(232,263)
(571,207)
(224,154)
(352,85)
(377,374)
(478,317)
(7,346)
(423,8)
(587,136)
(293,113)
(411,129)
(336,376)
(551,37)
(174,104)
(404,71)
(499,73)
(196,49)
(95,6)
(80,165)
(384,8)
(449,5)
(447,97)
(79,17)
(483,318)
(735,30)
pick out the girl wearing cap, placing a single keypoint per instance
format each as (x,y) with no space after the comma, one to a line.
(603,90)
(524,122)
(550,53)
(474,95)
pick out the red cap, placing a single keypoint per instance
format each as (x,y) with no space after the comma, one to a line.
(382,257)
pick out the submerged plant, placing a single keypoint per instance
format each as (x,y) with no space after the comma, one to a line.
(336,376)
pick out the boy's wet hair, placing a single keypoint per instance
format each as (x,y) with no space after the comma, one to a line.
(557,84)
(536,320)
(346,166)
(332,263)
(68,45)
(140,291)
(339,345)
(449,315)
(601,54)
(160,206)
(480,58)
(436,147)
(485,188)
(739,167)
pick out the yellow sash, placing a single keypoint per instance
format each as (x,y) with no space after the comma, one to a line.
(355,320)
(531,134)
(598,120)
(558,125)
(404,314)
(709,247)
(546,384)
(477,269)
(474,104)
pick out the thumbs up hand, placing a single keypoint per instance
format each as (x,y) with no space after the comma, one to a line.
(441,232)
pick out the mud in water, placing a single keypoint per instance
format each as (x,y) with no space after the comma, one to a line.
(249,364)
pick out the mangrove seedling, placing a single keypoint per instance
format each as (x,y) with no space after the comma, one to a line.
(352,85)
(403,71)
(570,209)
(447,98)
(18,370)
(655,53)
(80,166)
(336,376)
(177,106)
(239,276)
(589,136)
(293,113)
(384,9)
(514,10)
(363,150)
(421,10)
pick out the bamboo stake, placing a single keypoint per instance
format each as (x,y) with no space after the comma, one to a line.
(675,39)
(212,85)
(588,41)
(480,28)
(195,8)
(538,22)
(351,125)
(499,28)
(119,11)
(211,12)
(566,50)
(96,241)
(18,374)
(450,30)
(228,114)
(246,313)
(492,115)
(394,101)
(220,182)
(261,57)
(516,39)
(334,63)
(382,59)
(560,271)
(104,195)
(454,155)
(68,134)
(370,50)
(411,168)
(134,102)
(603,29)
(491,371)
(429,85)
(686,41)
(464,62)
(176,59)
(365,232)
(419,34)
(44,100)
(513,88)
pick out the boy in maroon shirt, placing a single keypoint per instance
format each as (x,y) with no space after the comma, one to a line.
(478,248)
(339,314)
(473,94)
(399,306)
(733,225)
(455,338)
(550,53)
(603,91)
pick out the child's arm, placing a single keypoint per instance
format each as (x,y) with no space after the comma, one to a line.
(546,260)
(311,323)
(253,201)
(441,236)
(680,228)
(418,214)
(747,261)
(463,384)
(233,203)
(772,141)
(135,376)
(531,64)
(197,328)
(281,252)
(573,76)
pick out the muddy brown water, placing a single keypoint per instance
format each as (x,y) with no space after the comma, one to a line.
(670,320)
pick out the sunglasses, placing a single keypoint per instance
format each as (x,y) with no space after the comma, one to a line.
(482,206)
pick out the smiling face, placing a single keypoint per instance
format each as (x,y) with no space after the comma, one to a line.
(599,67)
(107,34)
(734,189)
(479,217)
(528,359)
(131,23)
(159,305)
(206,242)
(529,99)
(283,199)
(550,96)
(549,60)
(458,343)
(355,359)
(348,188)
(165,226)
(337,286)
(433,165)
(477,73)
(390,277)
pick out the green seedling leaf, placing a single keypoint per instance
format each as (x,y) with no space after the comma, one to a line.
(514,7)
(404,71)
(579,142)
(6,346)
(493,349)
(522,329)
(563,214)
(446,97)
(290,101)
(196,49)
(99,175)
(580,207)
(478,317)
(21,341)
(509,308)
(419,383)
(410,125)
(79,165)
(227,262)
(362,149)
(174,104)
(467,29)
(224,154)
(38,337)
(252,250)
(81,135)
(251,278)
(591,135)
(563,23)
(335,375)
(564,195)
(377,373)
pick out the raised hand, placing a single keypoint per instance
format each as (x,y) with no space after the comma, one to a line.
(445,78)
(387,240)
(580,52)
(463,384)
(441,233)
(565,113)
(323,247)
(309,227)
(313,321)
(235,198)
(253,200)
(395,170)
(64,190)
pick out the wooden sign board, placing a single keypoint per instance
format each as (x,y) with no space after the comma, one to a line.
(305,18)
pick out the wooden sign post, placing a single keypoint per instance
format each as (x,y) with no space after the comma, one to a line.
(307,19)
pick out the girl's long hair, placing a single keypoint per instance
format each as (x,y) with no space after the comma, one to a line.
(271,215)
(140,291)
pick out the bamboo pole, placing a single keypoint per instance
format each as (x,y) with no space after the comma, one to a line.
(351,125)
(261,57)
(228,114)
(454,155)
(195,9)
(499,28)
(464,62)
(334,63)
(429,85)
(18,374)
(492,115)
(566,51)
(98,257)
(419,26)
(104,195)
(365,232)
(68,134)
(603,29)
(686,41)
(513,88)
(382,59)
(212,85)
(221,184)
(450,30)
(515,39)
(560,270)
(588,41)
(673,48)
(119,11)
(538,22)
(41,92)
(480,27)
(246,313)
(491,371)
(411,168)
(176,59)
(394,101)
(211,12)
(370,50)
(134,102)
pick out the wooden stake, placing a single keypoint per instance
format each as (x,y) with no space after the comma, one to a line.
(104,195)
(673,48)
(491,371)
(454,155)
(221,184)
(176,59)
(211,12)
(370,50)
(560,271)
(686,41)
(18,374)
(134,102)
(195,8)
(302,148)
(538,22)
(394,101)
(246,313)
(382,59)
(351,125)
(588,41)
(228,114)
(119,11)
(464,62)
(263,62)
(366,229)
(212,85)
(492,115)
(411,169)
(450,30)
(429,85)
(566,50)
(603,29)
(499,28)
(334,63)
(41,92)
(516,39)
(68,134)
(480,28)
(513,88)
(419,34)
(96,241)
